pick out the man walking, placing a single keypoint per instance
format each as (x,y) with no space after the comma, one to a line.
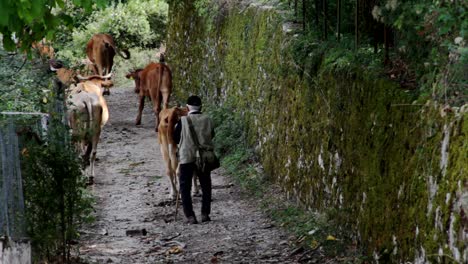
(204,131)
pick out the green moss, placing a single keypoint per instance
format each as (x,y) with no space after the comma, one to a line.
(334,136)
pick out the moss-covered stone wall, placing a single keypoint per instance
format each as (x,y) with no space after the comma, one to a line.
(395,171)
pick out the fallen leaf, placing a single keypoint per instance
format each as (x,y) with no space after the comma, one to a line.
(301,239)
(314,244)
(25,152)
(175,250)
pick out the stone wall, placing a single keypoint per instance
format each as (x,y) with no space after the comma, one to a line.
(393,171)
(12,252)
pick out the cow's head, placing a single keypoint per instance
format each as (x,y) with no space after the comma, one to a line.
(65,76)
(135,75)
(170,116)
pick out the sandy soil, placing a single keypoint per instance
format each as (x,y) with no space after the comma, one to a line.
(135,219)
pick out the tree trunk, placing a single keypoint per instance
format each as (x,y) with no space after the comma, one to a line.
(338,18)
(295,11)
(304,15)
(387,45)
(356,25)
(317,13)
(325,18)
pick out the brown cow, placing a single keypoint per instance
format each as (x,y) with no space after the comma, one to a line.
(169,118)
(135,76)
(155,81)
(101,50)
(44,48)
(65,76)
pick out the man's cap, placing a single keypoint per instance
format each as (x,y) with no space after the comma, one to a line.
(194,100)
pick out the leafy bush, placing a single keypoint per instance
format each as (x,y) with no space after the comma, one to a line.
(24,84)
(424,49)
(137,23)
(230,133)
(55,196)
(139,59)
(29,21)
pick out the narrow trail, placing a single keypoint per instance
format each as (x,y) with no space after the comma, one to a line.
(135,219)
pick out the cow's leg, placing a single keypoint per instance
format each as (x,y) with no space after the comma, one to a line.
(100,70)
(107,69)
(169,171)
(157,109)
(106,91)
(174,163)
(95,141)
(93,160)
(95,69)
(88,159)
(140,110)
(165,99)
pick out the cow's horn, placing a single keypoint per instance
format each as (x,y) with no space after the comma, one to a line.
(81,77)
(108,76)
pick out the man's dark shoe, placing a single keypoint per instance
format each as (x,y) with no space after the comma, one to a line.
(191,220)
(205,218)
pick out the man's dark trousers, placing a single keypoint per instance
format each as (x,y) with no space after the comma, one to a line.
(186,174)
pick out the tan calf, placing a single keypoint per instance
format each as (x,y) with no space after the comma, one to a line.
(168,119)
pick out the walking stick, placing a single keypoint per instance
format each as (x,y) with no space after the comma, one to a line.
(176,205)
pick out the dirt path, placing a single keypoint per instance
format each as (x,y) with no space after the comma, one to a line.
(132,191)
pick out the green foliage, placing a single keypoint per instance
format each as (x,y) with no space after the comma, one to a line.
(426,41)
(55,198)
(29,21)
(313,230)
(24,84)
(231,145)
(229,129)
(57,202)
(140,57)
(137,23)
(432,37)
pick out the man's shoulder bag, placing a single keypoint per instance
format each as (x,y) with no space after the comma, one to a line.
(207,160)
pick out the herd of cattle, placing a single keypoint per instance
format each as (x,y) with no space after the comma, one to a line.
(87,109)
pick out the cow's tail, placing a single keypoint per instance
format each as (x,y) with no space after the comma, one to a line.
(161,74)
(89,110)
(122,53)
